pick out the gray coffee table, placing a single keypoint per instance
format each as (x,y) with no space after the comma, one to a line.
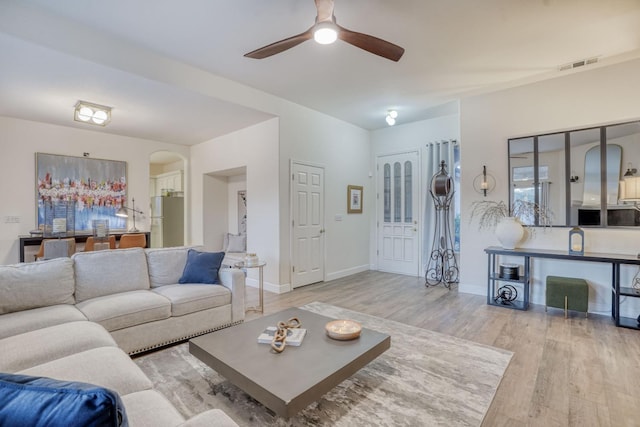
(287,382)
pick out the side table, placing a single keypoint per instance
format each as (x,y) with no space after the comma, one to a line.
(260,266)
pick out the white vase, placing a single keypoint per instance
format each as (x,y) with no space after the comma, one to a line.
(509,232)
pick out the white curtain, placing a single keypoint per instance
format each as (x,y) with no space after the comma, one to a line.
(435,153)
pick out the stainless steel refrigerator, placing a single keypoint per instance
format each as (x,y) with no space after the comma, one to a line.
(167,221)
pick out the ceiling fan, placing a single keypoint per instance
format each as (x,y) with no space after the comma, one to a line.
(326,31)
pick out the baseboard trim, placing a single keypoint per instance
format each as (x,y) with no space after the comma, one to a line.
(472,288)
(286,287)
(270,287)
(347,272)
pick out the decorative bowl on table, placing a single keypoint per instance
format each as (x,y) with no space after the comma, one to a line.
(251,260)
(343,329)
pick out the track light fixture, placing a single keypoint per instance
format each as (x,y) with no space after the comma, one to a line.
(93,114)
(391,117)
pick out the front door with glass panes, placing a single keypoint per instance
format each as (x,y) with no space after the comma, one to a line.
(397,213)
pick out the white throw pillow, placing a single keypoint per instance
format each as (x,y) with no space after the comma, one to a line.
(237,243)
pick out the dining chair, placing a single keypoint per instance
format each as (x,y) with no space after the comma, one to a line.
(133,241)
(56,248)
(92,245)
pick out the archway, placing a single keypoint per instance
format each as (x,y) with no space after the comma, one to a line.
(167,206)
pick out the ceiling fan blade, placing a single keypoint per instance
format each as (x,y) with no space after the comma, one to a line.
(371,44)
(280,46)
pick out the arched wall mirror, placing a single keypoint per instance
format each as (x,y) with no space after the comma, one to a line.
(584,177)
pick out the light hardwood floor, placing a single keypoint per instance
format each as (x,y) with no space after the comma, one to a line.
(564,372)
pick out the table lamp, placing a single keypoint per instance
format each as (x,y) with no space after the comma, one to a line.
(122,213)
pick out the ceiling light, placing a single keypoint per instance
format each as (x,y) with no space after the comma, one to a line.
(94,114)
(391,117)
(85,114)
(325,33)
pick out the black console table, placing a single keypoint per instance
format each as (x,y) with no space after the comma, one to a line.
(616,260)
(80,238)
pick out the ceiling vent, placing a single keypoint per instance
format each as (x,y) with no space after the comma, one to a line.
(578,64)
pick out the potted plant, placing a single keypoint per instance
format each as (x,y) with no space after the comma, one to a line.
(508,220)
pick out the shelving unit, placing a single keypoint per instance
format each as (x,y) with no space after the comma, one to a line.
(625,322)
(616,260)
(494,284)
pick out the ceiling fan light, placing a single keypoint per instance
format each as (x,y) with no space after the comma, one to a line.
(325,33)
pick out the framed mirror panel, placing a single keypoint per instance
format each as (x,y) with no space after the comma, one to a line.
(523,173)
(552,183)
(583,177)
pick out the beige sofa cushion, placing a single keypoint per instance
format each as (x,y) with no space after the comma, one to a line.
(107,367)
(119,311)
(150,408)
(210,418)
(36,284)
(109,272)
(44,345)
(37,318)
(189,298)
(167,264)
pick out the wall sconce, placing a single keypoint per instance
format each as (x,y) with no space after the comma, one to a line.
(391,117)
(631,171)
(576,241)
(93,114)
(484,183)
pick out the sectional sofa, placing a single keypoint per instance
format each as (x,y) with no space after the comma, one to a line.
(79,319)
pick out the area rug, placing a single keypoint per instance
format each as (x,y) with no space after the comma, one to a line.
(424,379)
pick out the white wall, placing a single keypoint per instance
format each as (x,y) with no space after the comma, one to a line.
(214,212)
(255,148)
(344,152)
(235,183)
(21,139)
(410,137)
(577,100)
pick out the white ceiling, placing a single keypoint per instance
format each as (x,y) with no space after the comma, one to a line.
(453,48)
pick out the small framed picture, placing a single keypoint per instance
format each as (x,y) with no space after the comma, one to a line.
(354,199)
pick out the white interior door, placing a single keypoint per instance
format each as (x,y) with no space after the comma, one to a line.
(307,236)
(397,213)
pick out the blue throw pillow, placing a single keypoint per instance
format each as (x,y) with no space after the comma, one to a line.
(39,401)
(202,267)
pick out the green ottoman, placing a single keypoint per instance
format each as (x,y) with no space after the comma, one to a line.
(567,293)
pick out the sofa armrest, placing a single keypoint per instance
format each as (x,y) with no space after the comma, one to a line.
(210,418)
(233,279)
